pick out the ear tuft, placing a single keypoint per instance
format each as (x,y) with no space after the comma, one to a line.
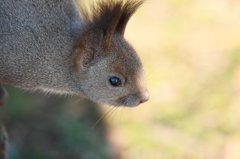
(110,16)
(128,9)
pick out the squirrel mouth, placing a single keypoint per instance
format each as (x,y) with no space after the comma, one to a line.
(129,100)
(133,100)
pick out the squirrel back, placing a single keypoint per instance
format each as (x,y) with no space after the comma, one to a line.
(51,45)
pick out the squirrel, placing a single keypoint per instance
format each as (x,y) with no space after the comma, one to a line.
(60,47)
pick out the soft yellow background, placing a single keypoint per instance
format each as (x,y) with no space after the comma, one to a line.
(191,53)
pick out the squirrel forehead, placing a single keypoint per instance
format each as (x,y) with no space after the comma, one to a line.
(130,67)
(125,58)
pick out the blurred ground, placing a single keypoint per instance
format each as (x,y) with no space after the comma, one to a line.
(191,53)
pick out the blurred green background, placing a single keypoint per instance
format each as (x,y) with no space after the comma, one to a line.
(191,53)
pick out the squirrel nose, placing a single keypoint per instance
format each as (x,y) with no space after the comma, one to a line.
(144,97)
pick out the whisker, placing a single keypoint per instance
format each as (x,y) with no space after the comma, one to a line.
(130,110)
(75,102)
(153,70)
(103,116)
(121,114)
(122,102)
(146,60)
(109,114)
(106,109)
(114,114)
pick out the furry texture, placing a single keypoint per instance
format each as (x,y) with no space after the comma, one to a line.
(50,45)
(110,16)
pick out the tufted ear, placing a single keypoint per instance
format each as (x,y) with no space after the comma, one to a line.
(127,10)
(89,49)
(107,17)
(93,42)
(110,16)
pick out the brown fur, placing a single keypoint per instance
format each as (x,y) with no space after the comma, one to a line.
(49,45)
(78,54)
(110,17)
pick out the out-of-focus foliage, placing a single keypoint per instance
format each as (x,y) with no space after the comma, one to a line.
(49,127)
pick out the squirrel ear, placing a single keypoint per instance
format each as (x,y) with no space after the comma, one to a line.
(93,43)
(88,51)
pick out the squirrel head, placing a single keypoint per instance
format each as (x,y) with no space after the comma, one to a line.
(108,67)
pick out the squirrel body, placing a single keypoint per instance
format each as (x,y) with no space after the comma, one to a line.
(51,45)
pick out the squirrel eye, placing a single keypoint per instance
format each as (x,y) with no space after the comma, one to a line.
(115,81)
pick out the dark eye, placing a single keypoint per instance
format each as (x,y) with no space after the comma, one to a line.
(115,81)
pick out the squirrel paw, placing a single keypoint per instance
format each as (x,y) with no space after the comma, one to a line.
(3,95)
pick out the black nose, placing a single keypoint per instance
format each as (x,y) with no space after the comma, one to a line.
(144,97)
